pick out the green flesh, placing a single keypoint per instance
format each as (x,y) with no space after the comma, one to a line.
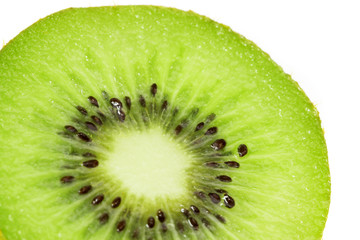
(282,188)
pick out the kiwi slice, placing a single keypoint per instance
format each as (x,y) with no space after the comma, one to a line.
(141,122)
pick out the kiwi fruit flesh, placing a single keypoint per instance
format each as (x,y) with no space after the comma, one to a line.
(143,122)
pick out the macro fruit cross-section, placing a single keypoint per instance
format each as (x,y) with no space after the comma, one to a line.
(144,122)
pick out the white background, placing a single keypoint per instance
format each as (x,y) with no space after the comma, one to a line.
(317,42)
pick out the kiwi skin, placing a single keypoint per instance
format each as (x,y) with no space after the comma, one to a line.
(283,187)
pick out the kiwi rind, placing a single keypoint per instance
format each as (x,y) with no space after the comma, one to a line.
(283,186)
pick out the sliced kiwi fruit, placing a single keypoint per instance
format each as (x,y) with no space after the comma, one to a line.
(140,122)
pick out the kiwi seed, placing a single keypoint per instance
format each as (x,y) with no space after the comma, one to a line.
(142,101)
(195,209)
(93,101)
(193,223)
(97,120)
(121,226)
(116,103)
(82,110)
(229,201)
(104,218)
(128,102)
(161,215)
(91,163)
(150,222)
(242,150)
(85,189)
(67,179)
(91,126)
(153,89)
(185,212)
(211,131)
(84,137)
(232,164)
(220,191)
(116,202)
(212,164)
(220,218)
(178,129)
(224,178)
(71,129)
(218,144)
(164,105)
(214,198)
(98,199)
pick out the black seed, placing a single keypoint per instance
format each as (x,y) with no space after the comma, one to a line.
(193,223)
(180,227)
(229,201)
(195,209)
(121,226)
(210,118)
(214,198)
(87,154)
(104,218)
(211,131)
(232,164)
(101,115)
(164,227)
(142,101)
(218,144)
(98,199)
(224,178)
(120,115)
(185,212)
(212,164)
(97,120)
(200,195)
(153,89)
(65,134)
(161,215)
(71,129)
(164,105)
(67,179)
(128,102)
(81,110)
(220,218)
(105,95)
(116,103)
(91,126)
(85,189)
(116,202)
(199,126)
(178,129)
(93,101)
(150,222)
(242,150)
(91,163)
(220,191)
(176,110)
(84,137)
(205,222)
